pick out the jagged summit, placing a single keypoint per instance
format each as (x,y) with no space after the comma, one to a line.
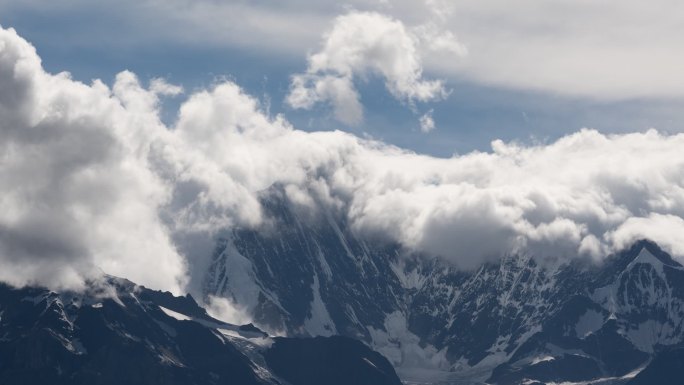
(646,251)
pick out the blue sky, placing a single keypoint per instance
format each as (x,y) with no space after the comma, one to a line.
(99,40)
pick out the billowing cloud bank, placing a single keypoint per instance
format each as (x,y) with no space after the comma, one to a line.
(91,179)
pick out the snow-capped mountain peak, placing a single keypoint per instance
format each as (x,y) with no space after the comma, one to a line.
(502,322)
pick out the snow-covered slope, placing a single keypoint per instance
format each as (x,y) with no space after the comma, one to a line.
(509,322)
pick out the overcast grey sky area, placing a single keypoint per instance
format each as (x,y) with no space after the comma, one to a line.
(526,72)
(132,132)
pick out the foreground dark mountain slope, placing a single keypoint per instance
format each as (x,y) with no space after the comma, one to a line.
(665,369)
(515,321)
(120,333)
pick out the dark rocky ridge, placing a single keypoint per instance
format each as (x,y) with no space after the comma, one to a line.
(120,333)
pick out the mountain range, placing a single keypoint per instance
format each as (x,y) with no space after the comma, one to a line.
(351,309)
(522,319)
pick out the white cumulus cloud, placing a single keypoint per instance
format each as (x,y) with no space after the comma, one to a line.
(74,175)
(363,44)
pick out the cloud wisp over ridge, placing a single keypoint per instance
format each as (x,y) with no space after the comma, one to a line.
(91,179)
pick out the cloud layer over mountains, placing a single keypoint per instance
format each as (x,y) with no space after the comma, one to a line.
(91,179)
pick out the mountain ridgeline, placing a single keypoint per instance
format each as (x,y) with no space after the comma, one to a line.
(119,333)
(511,322)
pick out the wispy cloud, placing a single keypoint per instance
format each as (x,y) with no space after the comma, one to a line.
(427,123)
